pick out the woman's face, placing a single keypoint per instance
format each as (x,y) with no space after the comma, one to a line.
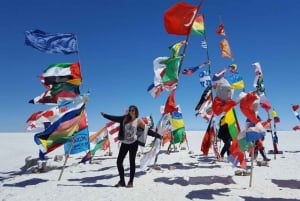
(132,112)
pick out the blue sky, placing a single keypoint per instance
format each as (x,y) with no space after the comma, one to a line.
(118,41)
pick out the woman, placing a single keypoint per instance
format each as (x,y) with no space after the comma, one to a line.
(129,124)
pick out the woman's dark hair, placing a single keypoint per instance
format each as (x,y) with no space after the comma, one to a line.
(128,117)
(135,108)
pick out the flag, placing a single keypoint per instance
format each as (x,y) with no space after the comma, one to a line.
(258,80)
(176,48)
(207,138)
(204,44)
(179,18)
(61,130)
(178,127)
(42,119)
(233,125)
(205,79)
(164,128)
(248,106)
(235,79)
(99,141)
(198,25)
(165,74)
(113,129)
(57,91)
(155,91)
(204,106)
(225,49)
(191,70)
(170,105)
(265,104)
(79,143)
(221,30)
(65,43)
(237,154)
(170,74)
(297,127)
(62,72)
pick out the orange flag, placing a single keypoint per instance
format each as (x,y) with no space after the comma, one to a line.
(225,49)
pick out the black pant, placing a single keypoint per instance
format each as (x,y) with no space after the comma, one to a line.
(226,147)
(132,148)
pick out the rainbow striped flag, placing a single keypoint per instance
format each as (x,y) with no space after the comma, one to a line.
(198,25)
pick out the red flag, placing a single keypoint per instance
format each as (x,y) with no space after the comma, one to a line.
(221,30)
(236,152)
(295,107)
(170,105)
(207,138)
(248,108)
(179,18)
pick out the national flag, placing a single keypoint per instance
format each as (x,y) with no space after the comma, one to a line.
(61,130)
(170,73)
(205,79)
(62,72)
(42,119)
(295,107)
(297,127)
(176,48)
(164,128)
(57,91)
(233,125)
(225,49)
(113,129)
(221,30)
(170,105)
(179,18)
(99,141)
(236,80)
(65,43)
(258,82)
(165,74)
(247,106)
(198,25)
(148,120)
(265,104)
(155,91)
(207,138)
(191,70)
(237,154)
(204,106)
(204,44)
(178,127)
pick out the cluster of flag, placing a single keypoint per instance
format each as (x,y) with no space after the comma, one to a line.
(66,122)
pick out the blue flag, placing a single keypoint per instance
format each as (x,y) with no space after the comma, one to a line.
(51,43)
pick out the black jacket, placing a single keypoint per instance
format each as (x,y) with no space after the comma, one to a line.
(118,119)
